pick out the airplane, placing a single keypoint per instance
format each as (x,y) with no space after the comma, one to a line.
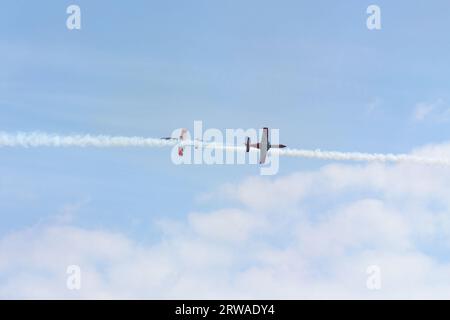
(264,146)
(181,139)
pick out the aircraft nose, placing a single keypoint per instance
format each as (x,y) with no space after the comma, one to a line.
(282,146)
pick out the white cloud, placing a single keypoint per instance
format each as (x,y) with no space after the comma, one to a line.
(307,235)
(356,226)
(437,111)
(227,225)
(422,110)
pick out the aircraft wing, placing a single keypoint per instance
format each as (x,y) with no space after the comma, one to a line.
(264,145)
(262,156)
(264,139)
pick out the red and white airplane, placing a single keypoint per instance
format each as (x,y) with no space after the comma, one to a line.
(264,146)
(181,139)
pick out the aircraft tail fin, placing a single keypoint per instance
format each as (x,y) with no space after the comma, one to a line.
(183,134)
(247,145)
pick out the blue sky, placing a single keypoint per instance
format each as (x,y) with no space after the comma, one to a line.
(310,68)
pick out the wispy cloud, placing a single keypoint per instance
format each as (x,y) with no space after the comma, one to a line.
(436,111)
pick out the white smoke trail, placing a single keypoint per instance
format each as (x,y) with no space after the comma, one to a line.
(342,156)
(37,139)
(363,157)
